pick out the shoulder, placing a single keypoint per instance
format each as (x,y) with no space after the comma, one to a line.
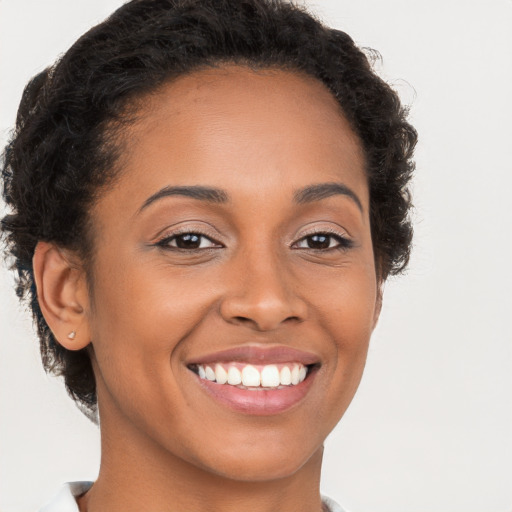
(64,500)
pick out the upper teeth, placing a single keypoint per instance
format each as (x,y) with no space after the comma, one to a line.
(268,376)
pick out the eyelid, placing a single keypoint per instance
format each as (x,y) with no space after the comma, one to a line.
(189,226)
(165,243)
(169,233)
(213,235)
(329,230)
(345,240)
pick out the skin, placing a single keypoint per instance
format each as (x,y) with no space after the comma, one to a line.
(151,309)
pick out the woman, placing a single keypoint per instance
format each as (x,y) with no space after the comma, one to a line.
(206,198)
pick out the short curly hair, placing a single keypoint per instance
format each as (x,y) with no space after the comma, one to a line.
(66,141)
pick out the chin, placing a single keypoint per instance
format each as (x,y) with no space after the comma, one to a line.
(265,465)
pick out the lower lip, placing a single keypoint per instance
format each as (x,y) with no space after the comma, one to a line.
(259,401)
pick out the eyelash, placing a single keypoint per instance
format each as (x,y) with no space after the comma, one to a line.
(343,243)
(165,242)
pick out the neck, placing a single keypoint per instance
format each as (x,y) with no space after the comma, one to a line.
(137,474)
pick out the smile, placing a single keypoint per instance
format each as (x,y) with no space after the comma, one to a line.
(249,376)
(257,380)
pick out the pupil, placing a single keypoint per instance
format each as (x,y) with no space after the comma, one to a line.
(189,241)
(318,242)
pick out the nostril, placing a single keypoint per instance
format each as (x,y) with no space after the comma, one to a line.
(264,324)
(263,311)
(242,319)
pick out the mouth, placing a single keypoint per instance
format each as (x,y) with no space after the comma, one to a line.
(254,377)
(257,380)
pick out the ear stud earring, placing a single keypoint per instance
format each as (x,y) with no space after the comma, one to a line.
(72,335)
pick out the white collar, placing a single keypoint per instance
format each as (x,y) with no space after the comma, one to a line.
(65,499)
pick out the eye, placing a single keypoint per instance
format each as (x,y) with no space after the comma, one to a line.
(323,241)
(188,241)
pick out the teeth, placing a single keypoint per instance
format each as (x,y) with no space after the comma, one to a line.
(210,374)
(268,376)
(234,376)
(295,375)
(286,376)
(250,377)
(221,375)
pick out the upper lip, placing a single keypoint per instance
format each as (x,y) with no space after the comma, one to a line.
(252,354)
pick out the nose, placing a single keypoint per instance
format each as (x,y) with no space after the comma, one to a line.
(262,294)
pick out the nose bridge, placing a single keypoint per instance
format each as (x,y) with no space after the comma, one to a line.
(261,292)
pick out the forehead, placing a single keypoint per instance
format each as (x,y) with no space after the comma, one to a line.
(251,130)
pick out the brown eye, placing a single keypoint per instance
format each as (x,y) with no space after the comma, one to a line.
(188,241)
(323,241)
(319,241)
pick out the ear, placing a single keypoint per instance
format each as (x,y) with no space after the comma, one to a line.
(378,302)
(62,295)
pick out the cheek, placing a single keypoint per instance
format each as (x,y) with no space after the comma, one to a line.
(344,300)
(145,303)
(353,319)
(144,315)
(140,317)
(350,314)
(346,311)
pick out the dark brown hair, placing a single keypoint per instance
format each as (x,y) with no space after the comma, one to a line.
(64,147)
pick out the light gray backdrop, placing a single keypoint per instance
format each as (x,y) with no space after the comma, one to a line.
(430,427)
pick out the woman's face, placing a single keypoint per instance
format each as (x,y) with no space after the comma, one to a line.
(235,245)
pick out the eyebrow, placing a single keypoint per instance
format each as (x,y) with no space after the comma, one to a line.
(209,194)
(305,195)
(320,191)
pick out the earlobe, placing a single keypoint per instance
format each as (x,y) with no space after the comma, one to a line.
(62,295)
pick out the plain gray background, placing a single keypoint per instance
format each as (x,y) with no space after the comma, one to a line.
(430,427)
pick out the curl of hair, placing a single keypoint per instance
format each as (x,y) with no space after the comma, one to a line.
(66,142)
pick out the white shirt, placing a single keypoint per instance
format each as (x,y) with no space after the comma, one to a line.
(64,500)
